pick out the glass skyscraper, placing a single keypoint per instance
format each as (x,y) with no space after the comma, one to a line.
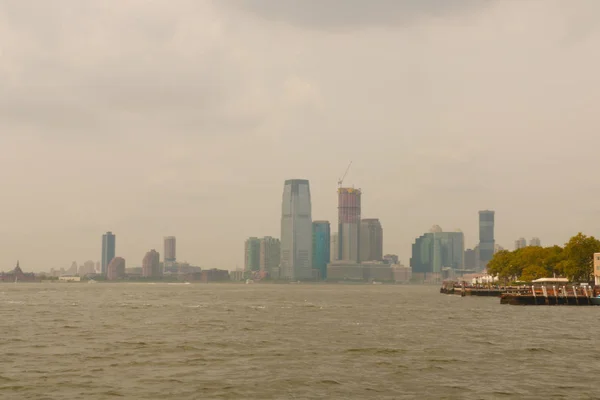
(296,231)
(108,250)
(486,237)
(321,247)
(436,250)
(371,240)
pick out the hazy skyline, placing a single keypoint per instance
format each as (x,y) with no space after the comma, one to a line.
(185,117)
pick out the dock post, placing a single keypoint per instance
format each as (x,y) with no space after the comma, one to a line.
(586,294)
(565,297)
(575,293)
(545,291)
(534,296)
(555,293)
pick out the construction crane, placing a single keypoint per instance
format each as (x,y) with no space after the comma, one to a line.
(341,180)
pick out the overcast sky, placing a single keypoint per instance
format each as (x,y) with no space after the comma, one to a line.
(184,117)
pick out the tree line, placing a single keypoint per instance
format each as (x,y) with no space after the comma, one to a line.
(575,261)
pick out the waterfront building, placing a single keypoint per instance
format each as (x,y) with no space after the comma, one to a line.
(520,243)
(349,211)
(116,269)
(252,254)
(597,269)
(321,247)
(214,275)
(108,251)
(237,275)
(17,275)
(401,273)
(151,265)
(334,248)
(170,249)
(270,256)
(296,231)
(371,240)
(536,242)
(487,243)
(345,271)
(436,250)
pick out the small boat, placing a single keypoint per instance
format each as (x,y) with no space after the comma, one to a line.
(595,300)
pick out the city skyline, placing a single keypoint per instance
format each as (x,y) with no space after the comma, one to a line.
(433,140)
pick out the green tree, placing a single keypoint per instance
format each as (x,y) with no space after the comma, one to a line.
(579,254)
(501,264)
(532,272)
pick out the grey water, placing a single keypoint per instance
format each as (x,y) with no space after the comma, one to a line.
(261,341)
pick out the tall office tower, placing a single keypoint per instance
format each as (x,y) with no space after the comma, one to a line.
(115,269)
(487,244)
(535,242)
(436,250)
(296,231)
(321,247)
(170,249)
(252,254)
(151,265)
(371,240)
(108,250)
(349,224)
(520,243)
(270,255)
(334,248)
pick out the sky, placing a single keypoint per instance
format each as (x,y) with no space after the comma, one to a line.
(150,118)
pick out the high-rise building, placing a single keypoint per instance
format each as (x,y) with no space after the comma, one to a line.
(108,250)
(270,256)
(115,269)
(471,261)
(252,254)
(296,231)
(151,265)
(487,244)
(321,255)
(436,250)
(349,224)
(170,249)
(535,242)
(334,248)
(371,240)
(520,243)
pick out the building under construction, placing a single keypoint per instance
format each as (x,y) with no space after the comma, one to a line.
(348,224)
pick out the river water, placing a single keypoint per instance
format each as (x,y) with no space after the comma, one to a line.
(234,341)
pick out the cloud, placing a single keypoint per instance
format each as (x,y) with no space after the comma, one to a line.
(344,14)
(77,68)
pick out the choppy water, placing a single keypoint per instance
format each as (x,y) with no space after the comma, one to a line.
(144,341)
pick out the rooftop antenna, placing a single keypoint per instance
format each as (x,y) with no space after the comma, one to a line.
(341,180)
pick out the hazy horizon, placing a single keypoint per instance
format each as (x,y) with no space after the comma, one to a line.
(185,117)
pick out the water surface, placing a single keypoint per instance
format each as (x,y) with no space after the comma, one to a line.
(228,341)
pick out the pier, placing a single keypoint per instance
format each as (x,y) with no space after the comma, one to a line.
(540,294)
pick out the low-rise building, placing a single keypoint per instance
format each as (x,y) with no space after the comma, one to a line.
(215,275)
(344,271)
(69,278)
(597,268)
